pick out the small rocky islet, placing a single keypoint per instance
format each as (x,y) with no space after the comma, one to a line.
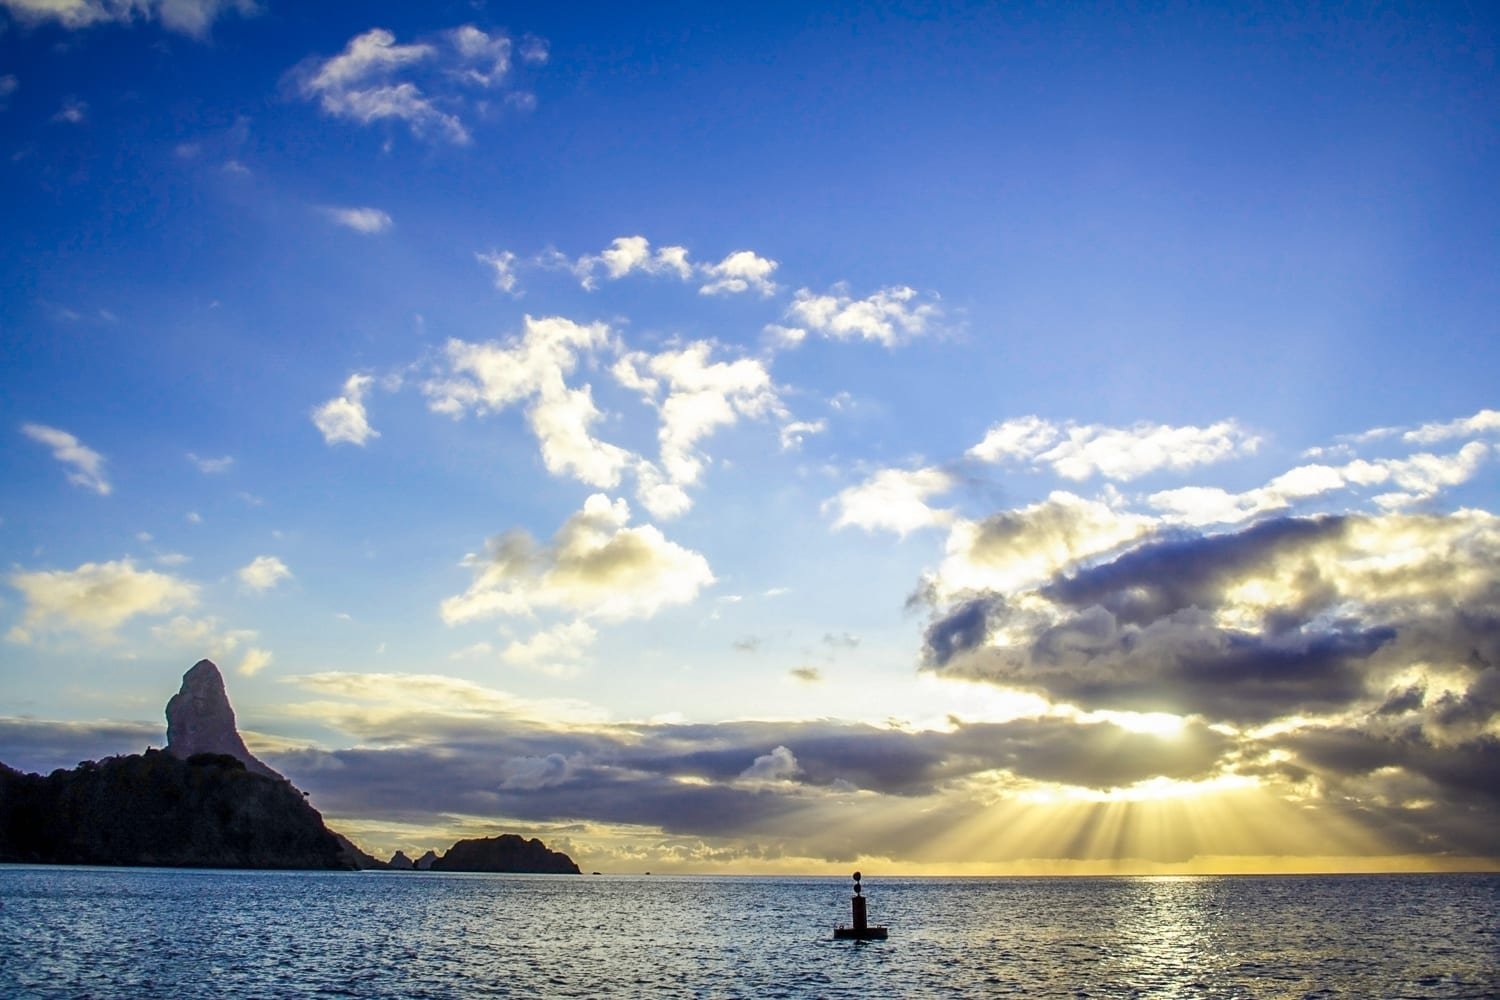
(207,802)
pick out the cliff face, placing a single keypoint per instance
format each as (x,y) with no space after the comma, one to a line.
(200,720)
(505,853)
(156,809)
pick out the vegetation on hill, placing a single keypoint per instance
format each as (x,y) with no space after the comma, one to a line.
(155,809)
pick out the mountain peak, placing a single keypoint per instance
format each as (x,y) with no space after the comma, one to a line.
(201,720)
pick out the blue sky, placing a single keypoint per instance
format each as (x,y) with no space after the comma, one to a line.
(676,432)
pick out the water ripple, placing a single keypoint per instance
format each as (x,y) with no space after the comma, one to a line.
(78,932)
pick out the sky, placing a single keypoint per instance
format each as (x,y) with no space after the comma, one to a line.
(950,438)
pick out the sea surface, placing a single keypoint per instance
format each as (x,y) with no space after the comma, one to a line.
(138,933)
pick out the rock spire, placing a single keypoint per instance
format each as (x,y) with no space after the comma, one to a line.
(200,720)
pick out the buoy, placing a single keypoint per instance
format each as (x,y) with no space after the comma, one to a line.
(861,930)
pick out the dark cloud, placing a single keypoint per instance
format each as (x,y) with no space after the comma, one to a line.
(41,747)
(1406,700)
(1478,705)
(1158,579)
(1185,663)
(687,780)
(962,629)
(1425,794)
(1093,755)
(1288,616)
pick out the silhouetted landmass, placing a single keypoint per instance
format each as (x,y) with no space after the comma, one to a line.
(352,856)
(505,853)
(206,802)
(156,809)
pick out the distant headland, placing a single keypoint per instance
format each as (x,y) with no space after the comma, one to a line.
(207,802)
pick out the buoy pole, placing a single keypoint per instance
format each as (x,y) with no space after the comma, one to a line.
(861,921)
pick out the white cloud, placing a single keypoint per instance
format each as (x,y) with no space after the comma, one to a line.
(371,81)
(701,397)
(740,271)
(659,495)
(628,254)
(794,432)
(1483,422)
(72,112)
(368,221)
(533,368)
(263,573)
(1018,438)
(778,765)
(1128,453)
(633,253)
(204,637)
(889,316)
(784,337)
(392,695)
(562,421)
(893,500)
(1421,477)
(190,17)
(371,54)
(1017,548)
(98,597)
(553,651)
(596,566)
(1200,505)
(404,102)
(503,264)
(8,85)
(534,50)
(212,466)
(485,58)
(343,419)
(1080,451)
(255,660)
(488,377)
(86,466)
(1418,477)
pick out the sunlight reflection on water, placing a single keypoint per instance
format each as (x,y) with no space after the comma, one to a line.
(172,933)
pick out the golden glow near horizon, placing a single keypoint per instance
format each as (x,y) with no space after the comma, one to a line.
(1002,823)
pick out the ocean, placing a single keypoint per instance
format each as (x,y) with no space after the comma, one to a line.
(173,933)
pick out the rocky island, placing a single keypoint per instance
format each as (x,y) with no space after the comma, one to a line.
(505,853)
(205,802)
